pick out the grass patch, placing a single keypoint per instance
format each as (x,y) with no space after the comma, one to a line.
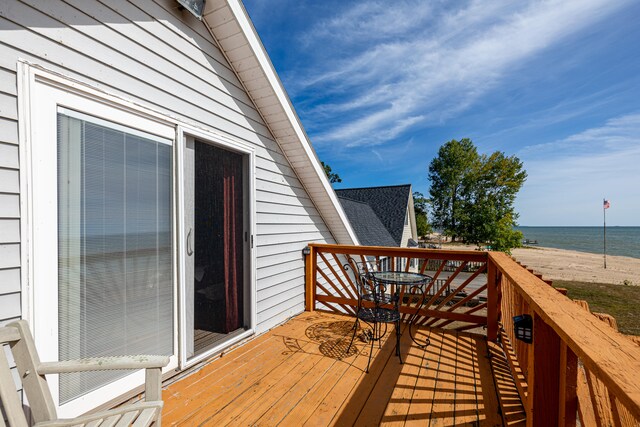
(620,301)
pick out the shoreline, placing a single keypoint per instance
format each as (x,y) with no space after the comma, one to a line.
(570,265)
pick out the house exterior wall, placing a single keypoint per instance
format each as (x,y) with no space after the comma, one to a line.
(406,235)
(162,58)
(9,195)
(409,230)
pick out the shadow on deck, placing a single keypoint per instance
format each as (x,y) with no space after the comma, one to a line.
(299,374)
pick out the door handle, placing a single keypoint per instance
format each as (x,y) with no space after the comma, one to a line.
(189,247)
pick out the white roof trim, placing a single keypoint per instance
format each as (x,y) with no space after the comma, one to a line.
(228,21)
(412,215)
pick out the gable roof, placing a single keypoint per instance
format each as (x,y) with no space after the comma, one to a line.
(230,26)
(366,224)
(390,204)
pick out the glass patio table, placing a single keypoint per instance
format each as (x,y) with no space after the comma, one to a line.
(413,285)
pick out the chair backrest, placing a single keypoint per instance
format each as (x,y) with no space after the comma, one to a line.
(361,270)
(364,266)
(18,336)
(368,288)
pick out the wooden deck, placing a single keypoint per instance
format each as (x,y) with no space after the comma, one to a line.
(299,374)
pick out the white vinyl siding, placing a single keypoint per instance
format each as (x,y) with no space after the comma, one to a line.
(155,55)
(408,231)
(8,129)
(9,230)
(10,298)
(406,235)
(9,281)
(9,258)
(10,302)
(9,206)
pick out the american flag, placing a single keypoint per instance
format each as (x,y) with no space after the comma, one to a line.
(606,204)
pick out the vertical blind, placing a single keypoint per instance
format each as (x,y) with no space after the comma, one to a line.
(115,292)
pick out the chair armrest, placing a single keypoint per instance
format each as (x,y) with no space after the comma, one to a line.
(103,364)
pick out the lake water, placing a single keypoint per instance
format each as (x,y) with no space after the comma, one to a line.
(623,241)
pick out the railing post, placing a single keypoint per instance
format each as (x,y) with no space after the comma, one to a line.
(543,377)
(311,264)
(568,399)
(493,300)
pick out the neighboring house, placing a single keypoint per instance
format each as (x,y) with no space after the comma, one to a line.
(381,216)
(366,224)
(156,185)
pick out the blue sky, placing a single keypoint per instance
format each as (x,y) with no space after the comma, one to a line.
(380,85)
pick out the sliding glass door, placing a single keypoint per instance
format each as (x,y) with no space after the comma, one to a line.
(138,241)
(102,245)
(216,296)
(115,292)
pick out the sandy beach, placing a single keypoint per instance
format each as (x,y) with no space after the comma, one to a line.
(560,264)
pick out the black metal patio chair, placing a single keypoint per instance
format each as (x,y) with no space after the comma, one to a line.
(377,306)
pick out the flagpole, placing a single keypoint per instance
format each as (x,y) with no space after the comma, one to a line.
(604,216)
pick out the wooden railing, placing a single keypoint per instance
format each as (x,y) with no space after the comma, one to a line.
(577,368)
(455,299)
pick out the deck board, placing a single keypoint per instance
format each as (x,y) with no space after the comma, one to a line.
(443,410)
(424,392)
(300,374)
(398,406)
(466,373)
(390,381)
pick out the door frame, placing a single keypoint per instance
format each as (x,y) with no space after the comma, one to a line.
(29,75)
(41,95)
(248,152)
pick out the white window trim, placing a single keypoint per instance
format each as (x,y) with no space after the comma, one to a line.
(29,75)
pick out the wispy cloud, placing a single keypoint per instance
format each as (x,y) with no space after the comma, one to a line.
(618,134)
(379,85)
(423,65)
(373,20)
(575,173)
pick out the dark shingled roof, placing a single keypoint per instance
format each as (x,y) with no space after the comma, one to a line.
(366,224)
(389,204)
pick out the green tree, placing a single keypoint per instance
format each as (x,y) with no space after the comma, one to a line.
(449,174)
(333,177)
(489,216)
(505,237)
(422,225)
(420,204)
(485,194)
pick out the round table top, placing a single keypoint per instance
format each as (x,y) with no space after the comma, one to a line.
(400,277)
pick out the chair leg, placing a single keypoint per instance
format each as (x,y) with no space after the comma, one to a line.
(398,342)
(381,334)
(370,351)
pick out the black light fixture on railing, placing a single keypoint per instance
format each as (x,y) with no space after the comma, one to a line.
(523,328)
(306,251)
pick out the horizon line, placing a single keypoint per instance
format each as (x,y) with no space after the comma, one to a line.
(599,225)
